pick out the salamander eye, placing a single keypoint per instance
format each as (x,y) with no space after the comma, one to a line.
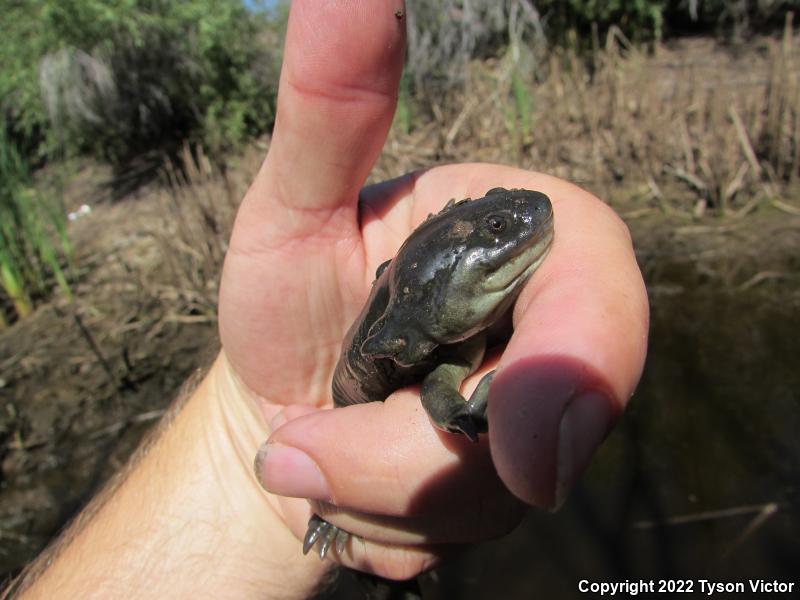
(497,190)
(496,223)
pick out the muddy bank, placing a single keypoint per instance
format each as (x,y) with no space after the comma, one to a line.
(81,381)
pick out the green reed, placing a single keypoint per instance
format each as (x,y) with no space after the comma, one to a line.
(33,236)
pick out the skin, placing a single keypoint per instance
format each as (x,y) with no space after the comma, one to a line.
(189,516)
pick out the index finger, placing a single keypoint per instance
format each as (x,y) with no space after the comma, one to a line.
(578,349)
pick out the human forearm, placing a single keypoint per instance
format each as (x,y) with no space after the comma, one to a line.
(188,518)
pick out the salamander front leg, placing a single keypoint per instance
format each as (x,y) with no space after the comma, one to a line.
(479,400)
(447,408)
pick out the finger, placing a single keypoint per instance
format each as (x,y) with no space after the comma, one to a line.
(337,95)
(577,352)
(285,414)
(463,522)
(580,335)
(387,459)
(296,234)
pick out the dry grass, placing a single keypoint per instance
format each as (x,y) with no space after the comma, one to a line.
(689,129)
(199,205)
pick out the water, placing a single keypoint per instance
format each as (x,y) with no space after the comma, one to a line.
(701,480)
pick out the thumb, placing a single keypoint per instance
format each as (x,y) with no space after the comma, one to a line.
(280,292)
(337,95)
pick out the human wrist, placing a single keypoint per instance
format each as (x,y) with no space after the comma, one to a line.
(236,418)
(236,422)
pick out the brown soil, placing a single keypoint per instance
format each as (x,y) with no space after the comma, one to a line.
(81,381)
(68,420)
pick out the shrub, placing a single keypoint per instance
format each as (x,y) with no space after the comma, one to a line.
(121,79)
(726,17)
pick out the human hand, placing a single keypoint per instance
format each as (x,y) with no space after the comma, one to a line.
(299,268)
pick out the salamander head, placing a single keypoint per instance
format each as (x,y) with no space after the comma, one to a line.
(460,271)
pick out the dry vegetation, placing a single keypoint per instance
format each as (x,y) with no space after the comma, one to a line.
(685,142)
(692,128)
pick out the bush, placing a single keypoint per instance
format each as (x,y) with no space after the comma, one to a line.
(121,79)
(638,19)
(726,17)
(444,35)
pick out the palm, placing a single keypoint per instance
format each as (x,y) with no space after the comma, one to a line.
(287,304)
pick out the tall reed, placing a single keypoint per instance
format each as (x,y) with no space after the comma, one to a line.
(33,236)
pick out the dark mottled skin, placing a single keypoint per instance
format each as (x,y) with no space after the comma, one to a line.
(423,304)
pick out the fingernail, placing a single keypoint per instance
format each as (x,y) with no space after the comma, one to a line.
(583,427)
(287,471)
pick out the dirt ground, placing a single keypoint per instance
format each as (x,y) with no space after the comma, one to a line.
(82,380)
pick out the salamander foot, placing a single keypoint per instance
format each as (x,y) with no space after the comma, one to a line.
(327,534)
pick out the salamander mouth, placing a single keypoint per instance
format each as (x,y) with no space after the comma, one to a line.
(517,270)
